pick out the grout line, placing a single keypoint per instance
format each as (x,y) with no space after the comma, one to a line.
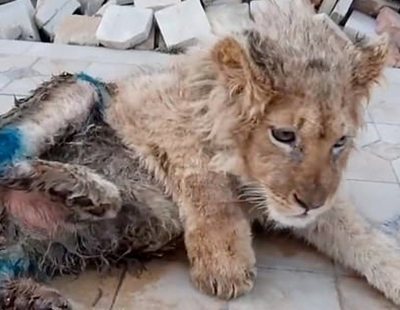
(121,280)
(297,270)
(338,293)
(371,181)
(394,171)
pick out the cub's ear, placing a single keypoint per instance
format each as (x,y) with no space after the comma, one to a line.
(368,62)
(233,64)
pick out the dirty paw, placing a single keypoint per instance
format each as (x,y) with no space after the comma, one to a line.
(222,279)
(29,295)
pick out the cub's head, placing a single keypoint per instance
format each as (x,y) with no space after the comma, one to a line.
(297,104)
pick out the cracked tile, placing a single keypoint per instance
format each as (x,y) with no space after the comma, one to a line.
(396,167)
(164,285)
(378,202)
(385,107)
(367,135)
(389,133)
(57,66)
(356,294)
(285,253)
(90,290)
(25,85)
(279,289)
(366,166)
(388,151)
(13,62)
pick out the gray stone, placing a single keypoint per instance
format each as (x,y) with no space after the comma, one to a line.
(327,6)
(149,44)
(155,4)
(16,21)
(220,2)
(124,27)
(50,13)
(78,30)
(225,19)
(90,7)
(123,2)
(183,24)
(10,32)
(340,10)
(360,24)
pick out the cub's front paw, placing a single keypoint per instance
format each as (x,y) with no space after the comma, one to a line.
(223,273)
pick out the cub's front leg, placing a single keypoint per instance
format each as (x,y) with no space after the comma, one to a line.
(217,236)
(348,238)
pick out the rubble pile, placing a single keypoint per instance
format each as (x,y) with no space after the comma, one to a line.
(154,24)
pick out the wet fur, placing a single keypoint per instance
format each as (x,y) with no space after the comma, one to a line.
(181,145)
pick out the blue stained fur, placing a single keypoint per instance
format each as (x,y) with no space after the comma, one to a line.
(14,263)
(11,146)
(100,87)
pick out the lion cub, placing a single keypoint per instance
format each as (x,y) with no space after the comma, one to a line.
(275,107)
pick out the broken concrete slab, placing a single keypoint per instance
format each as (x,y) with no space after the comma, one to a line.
(183,24)
(360,24)
(123,27)
(340,10)
(50,13)
(123,2)
(327,6)
(221,2)
(90,7)
(10,33)
(78,30)
(18,14)
(149,44)
(155,4)
(225,19)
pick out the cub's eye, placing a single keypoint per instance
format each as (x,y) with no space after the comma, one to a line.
(340,143)
(286,136)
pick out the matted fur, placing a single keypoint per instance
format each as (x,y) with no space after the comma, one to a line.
(197,138)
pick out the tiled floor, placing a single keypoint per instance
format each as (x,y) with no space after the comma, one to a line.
(291,275)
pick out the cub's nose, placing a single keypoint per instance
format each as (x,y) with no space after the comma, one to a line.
(309,202)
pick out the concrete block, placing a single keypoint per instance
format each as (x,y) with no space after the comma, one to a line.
(155,4)
(327,6)
(10,32)
(78,30)
(124,27)
(90,7)
(149,44)
(360,24)
(50,13)
(225,19)
(18,15)
(340,10)
(183,24)
(220,2)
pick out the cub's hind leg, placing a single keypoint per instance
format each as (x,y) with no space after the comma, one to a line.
(54,110)
(86,194)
